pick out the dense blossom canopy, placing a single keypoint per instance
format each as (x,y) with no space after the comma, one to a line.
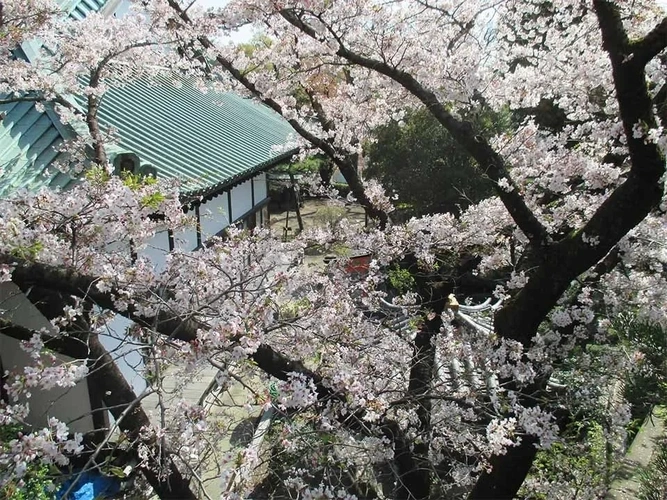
(575,235)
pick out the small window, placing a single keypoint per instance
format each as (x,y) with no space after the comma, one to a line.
(149,171)
(127,165)
(126,162)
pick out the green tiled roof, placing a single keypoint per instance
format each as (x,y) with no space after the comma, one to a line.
(28,146)
(208,140)
(29,138)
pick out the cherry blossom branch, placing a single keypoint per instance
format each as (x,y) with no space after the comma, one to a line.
(94,101)
(66,345)
(25,98)
(28,274)
(627,205)
(118,397)
(642,191)
(343,161)
(116,425)
(660,101)
(267,358)
(464,28)
(489,161)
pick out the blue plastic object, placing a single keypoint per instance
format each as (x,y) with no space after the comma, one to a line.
(90,486)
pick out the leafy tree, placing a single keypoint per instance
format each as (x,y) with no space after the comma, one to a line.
(316,164)
(429,171)
(573,468)
(646,386)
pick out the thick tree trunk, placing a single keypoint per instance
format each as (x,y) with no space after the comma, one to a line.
(411,484)
(414,466)
(326,172)
(508,473)
(415,481)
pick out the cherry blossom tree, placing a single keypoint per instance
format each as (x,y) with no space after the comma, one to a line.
(575,233)
(572,192)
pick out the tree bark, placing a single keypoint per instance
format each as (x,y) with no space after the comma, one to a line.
(415,481)
(508,473)
(297,199)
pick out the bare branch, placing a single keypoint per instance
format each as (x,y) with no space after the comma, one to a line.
(344,162)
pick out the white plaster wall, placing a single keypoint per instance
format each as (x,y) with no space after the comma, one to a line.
(186,240)
(214,216)
(15,307)
(125,350)
(157,250)
(66,404)
(242,199)
(260,187)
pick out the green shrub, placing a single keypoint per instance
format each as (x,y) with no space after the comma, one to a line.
(576,467)
(329,215)
(647,385)
(401,279)
(36,484)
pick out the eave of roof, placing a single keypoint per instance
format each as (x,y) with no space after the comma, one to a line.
(195,197)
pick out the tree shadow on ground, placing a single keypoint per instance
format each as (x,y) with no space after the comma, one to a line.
(243,432)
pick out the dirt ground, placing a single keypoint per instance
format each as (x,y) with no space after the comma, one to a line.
(314,212)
